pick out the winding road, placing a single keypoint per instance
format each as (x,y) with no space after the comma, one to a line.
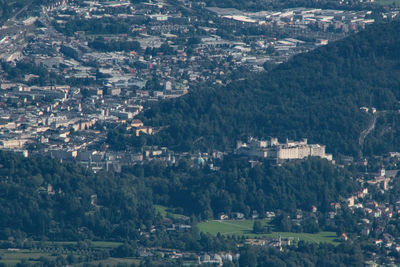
(371,127)
(365,132)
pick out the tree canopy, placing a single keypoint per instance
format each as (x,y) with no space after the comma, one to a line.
(237,187)
(317,95)
(41,197)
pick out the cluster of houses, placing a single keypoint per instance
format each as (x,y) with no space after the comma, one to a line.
(191,258)
(377,216)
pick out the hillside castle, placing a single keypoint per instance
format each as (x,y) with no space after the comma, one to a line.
(274,150)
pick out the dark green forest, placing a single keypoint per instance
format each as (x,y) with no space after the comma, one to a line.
(108,46)
(237,187)
(317,95)
(121,203)
(82,205)
(123,206)
(95,26)
(305,255)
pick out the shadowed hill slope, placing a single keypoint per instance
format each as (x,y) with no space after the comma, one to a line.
(317,95)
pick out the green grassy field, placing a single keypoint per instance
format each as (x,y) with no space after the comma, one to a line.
(244,227)
(164,212)
(227,227)
(105,244)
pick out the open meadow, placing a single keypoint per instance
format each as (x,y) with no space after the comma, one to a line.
(244,228)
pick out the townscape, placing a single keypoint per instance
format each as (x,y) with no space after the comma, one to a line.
(73,73)
(167,51)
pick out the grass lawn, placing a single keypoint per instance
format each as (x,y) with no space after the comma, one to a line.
(164,212)
(227,227)
(105,244)
(244,227)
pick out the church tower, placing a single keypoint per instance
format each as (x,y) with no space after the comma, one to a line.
(382,172)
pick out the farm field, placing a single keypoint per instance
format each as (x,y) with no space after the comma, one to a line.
(244,227)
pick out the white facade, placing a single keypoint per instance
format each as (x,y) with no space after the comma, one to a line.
(282,151)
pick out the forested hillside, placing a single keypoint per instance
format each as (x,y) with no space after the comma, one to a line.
(239,188)
(317,95)
(77,205)
(40,197)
